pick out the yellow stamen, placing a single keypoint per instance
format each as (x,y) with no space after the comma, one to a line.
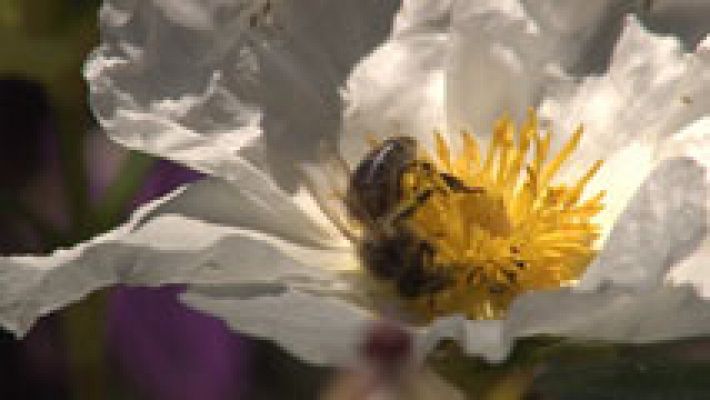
(519,233)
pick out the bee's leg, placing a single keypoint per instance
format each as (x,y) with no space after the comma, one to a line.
(407,208)
(444,179)
(436,279)
(457,185)
(421,165)
(427,253)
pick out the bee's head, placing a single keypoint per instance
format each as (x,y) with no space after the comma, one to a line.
(374,187)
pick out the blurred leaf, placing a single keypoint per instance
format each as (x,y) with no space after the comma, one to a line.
(626,378)
(48,233)
(47,41)
(512,378)
(114,202)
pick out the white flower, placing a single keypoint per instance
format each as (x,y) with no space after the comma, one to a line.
(244,91)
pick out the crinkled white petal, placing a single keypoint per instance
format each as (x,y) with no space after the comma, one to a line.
(320,330)
(571,21)
(421,16)
(608,314)
(612,314)
(258,205)
(165,242)
(491,71)
(694,269)
(651,90)
(477,338)
(459,65)
(664,222)
(693,142)
(506,52)
(398,89)
(203,82)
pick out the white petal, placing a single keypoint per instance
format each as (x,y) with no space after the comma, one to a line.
(629,113)
(479,338)
(175,249)
(258,205)
(650,91)
(665,313)
(609,314)
(320,330)
(421,16)
(201,81)
(479,58)
(398,89)
(694,269)
(504,54)
(694,142)
(172,246)
(663,223)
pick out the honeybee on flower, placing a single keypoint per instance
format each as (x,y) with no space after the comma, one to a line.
(501,232)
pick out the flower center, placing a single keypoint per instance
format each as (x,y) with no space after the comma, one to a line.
(497,224)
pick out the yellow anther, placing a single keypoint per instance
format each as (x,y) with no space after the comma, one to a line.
(520,233)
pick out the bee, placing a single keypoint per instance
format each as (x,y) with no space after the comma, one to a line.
(388,247)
